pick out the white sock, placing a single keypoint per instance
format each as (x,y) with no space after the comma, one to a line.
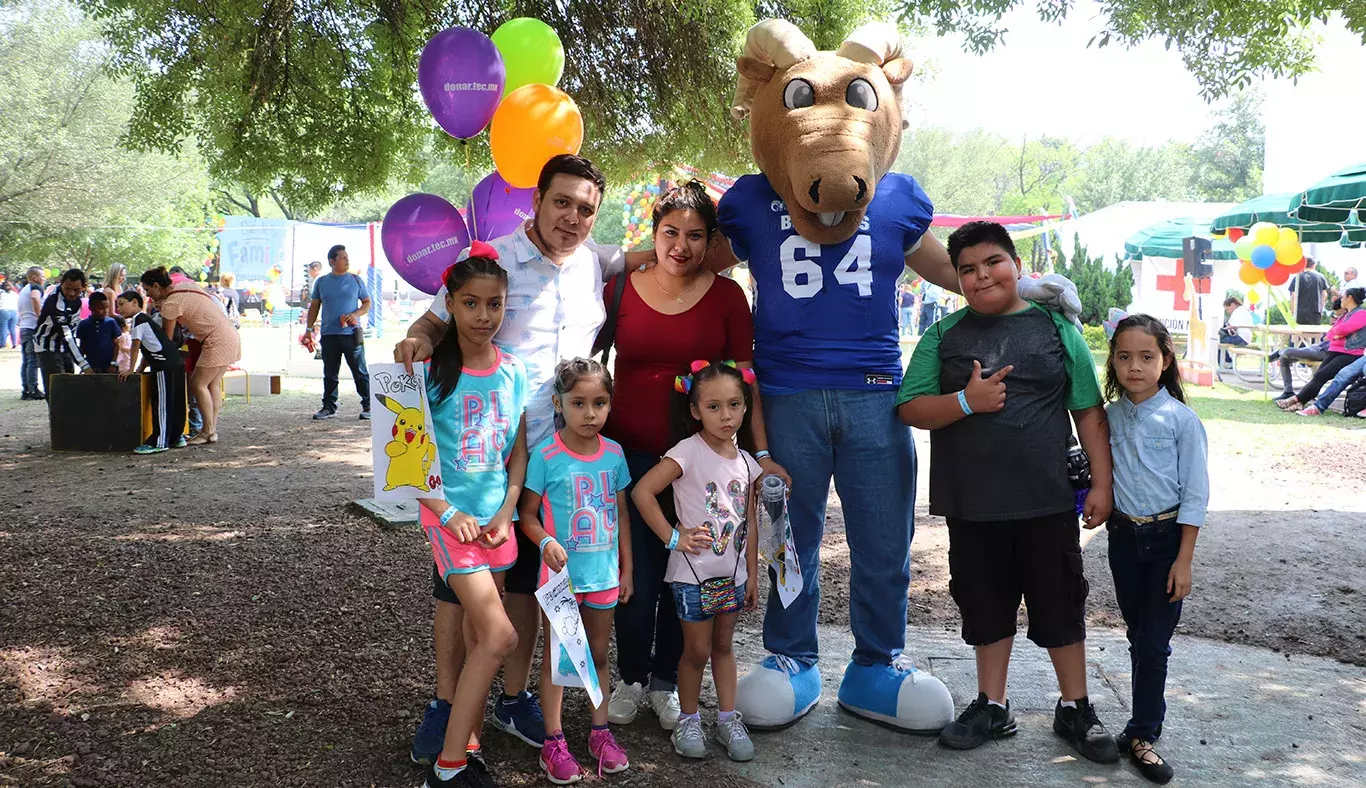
(1069,704)
(446,773)
(997,705)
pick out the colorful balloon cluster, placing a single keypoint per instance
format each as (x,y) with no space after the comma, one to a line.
(470,82)
(635,213)
(1269,253)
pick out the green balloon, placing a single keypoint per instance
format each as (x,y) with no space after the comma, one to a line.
(532,53)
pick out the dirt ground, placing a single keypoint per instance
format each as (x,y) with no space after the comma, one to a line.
(216,616)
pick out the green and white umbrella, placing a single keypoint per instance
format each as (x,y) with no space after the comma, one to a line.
(1166,239)
(1276,209)
(1335,198)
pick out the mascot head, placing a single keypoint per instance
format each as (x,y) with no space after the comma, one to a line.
(824,126)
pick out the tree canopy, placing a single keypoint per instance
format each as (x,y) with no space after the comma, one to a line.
(312,101)
(69,192)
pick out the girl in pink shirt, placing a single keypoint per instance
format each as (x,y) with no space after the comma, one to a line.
(715,550)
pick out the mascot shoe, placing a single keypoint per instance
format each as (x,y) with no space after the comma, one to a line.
(896,695)
(778,692)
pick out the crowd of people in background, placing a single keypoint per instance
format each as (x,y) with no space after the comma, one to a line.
(73,326)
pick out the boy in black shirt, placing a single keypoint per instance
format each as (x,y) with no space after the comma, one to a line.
(168,368)
(998,475)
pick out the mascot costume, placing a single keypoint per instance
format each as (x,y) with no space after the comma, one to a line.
(827,232)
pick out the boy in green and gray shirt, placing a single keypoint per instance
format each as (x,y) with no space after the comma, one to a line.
(994,383)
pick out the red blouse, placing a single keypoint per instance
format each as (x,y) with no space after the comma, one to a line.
(652,348)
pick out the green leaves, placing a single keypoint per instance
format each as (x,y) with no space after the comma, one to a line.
(1224,43)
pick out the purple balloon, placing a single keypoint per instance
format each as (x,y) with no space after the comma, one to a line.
(461,77)
(496,208)
(422,235)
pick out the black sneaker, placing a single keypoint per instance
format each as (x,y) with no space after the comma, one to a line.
(1149,763)
(479,770)
(978,724)
(1084,730)
(325,413)
(465,778)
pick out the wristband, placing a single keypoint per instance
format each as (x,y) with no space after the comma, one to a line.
(447,515)
(673,541)
(963,402)
(761,454)
(545,542)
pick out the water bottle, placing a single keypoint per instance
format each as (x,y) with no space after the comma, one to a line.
(773,497)
(1078,465)
(1078,471)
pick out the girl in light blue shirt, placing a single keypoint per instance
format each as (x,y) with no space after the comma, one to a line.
(1161,491)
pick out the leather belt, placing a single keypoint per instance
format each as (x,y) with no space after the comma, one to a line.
(1156,518)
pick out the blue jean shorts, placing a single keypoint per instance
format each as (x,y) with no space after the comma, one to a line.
(688,602)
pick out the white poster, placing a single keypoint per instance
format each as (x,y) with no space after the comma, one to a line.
(406,461)
(783,555)
(568,640)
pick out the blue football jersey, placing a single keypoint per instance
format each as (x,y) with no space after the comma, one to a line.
(825,317)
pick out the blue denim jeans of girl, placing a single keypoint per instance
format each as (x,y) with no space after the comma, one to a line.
(1141,555)
(856,438)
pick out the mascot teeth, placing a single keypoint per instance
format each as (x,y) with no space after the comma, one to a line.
(832,219)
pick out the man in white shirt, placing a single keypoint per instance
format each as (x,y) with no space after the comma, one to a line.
(1237,330)
(553,311)
(30,304)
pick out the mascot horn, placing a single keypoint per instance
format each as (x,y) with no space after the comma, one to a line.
(827,232)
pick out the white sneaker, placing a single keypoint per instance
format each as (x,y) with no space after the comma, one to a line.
(665,705)
(625,702)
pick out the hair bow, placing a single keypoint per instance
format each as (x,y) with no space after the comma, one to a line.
(683,383)
(477,249)
(1113,320)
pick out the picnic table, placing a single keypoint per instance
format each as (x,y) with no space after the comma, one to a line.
(1267,340)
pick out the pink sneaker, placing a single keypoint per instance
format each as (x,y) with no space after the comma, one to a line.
(557,762)
(611,757)
(1311,411)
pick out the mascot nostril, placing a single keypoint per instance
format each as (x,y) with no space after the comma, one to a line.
(826,259)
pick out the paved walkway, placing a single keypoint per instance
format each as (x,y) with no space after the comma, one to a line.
(1237,716)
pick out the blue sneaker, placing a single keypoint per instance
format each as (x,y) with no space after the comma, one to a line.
(431,734)
(897,695)
(521,717)
(777,692)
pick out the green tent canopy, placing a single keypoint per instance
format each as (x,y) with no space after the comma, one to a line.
(1275,208)
(1166,239)
(1334,198)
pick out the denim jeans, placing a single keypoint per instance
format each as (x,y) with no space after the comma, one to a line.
(54,364)
(1140,558)
(1340,381)
(855,437)
(28,367)
(9,327)
(649,637)
(335,346)
(194,415)
(1289,356)
(929,313)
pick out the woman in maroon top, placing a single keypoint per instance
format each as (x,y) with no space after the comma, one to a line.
(671,314)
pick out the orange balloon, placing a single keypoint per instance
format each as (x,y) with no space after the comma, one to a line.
(1250,274)
(1277,275)
(533,124)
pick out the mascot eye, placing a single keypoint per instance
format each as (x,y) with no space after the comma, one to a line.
(861,94)
(798,94)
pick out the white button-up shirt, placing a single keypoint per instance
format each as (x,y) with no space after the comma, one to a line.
(553,312)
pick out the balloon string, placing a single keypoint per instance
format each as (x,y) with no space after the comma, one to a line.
(474,223)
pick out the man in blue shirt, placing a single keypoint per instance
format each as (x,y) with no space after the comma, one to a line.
(343,300)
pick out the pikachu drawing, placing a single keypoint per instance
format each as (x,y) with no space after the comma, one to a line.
(411,450)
